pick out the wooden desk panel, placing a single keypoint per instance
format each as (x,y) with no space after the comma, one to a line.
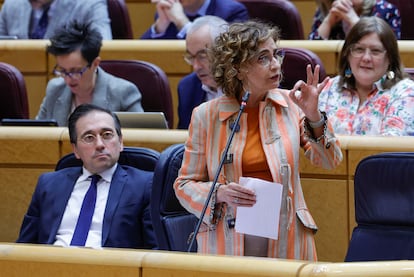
(29,151)
(327,200)
(168,55)
(41,260)
(16,188)
(157,264)
(36,90)
(30,146)
(29,56)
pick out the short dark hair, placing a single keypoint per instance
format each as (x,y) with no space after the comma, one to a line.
(75,36)
(83,110)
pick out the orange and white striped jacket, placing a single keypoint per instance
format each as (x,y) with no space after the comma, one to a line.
(282,134)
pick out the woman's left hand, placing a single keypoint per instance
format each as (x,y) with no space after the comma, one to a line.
(306,95)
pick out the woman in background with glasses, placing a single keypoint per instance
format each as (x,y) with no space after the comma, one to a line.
(76,48)
(372,95)
(274,126)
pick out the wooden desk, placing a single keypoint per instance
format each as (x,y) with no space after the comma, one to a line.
(29,151)
(41,260)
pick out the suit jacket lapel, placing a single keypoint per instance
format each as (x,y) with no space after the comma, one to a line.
(64,192)
(23,17)
(117,186)
(62,107)
(61,13)
(100,91)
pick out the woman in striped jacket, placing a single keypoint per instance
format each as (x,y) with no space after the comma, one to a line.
(274,126)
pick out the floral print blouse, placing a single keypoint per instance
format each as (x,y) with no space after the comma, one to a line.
(381,9)
(386,112)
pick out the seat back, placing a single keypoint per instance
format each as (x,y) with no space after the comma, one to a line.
(151,81)
(294,66)
(406,8)
(281,13)
(172,223)
(13,94)
(138,157)
(120,20)
(410,72)
(384,208)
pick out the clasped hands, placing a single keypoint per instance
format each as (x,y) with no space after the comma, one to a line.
(342,10)
(169,11)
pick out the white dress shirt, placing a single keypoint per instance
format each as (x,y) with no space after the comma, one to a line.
(73,207)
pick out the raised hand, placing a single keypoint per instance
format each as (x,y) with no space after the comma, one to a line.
(306,94)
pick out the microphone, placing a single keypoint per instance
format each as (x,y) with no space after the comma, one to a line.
(235,128)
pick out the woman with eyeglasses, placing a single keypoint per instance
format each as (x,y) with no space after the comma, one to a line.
(76,48)
(372,95)
(334,18)
(274,125)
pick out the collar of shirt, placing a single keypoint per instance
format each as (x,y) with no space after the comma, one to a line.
(375,86)
(105,175)
(211,94)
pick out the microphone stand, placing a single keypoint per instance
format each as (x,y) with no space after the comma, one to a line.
(223,159)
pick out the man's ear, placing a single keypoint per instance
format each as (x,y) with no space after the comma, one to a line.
(75,151)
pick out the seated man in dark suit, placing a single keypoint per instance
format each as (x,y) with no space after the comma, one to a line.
(198,86)
(174,17)
(120,214)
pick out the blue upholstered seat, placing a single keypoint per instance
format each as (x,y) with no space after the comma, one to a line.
(384,208)
(172,223)
(14,102)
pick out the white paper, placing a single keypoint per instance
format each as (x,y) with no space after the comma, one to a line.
(262,219)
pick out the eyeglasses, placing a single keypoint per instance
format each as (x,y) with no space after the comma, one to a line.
(200,56)
(266,59)
(74,75)
(358,51)
(106,136)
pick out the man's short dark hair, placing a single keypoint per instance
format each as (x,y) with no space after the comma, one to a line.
(75,36)
(83,110)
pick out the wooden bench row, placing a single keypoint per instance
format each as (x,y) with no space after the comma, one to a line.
(30,57)
(36,260)
(29,151)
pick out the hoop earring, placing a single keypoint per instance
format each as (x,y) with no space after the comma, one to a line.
(390,75)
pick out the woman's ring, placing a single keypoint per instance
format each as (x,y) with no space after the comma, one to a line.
(236,200)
